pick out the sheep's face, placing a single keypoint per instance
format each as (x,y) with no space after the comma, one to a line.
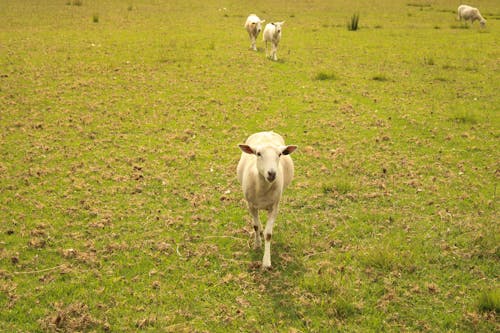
(277,27)
(482,23)
(268,159)
(257,26)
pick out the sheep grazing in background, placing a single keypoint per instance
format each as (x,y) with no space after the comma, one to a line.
(253,26)
(264,171)
(470,13)
(272,33)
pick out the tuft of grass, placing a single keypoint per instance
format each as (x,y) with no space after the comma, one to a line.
(328,188)
(353,24)
(418,5)
(130,7)
(489,301)
(449,67)
(382,259)
(342,308)
(343,186)
(429,61)
(471,68)
(380,77)
(460,26)
(95,18)
(340,186)
(77,3)
(465,117)
(322,76)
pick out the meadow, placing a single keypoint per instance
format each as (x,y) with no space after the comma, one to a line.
(119,204)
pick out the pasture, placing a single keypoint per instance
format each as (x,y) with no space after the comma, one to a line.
(119,204)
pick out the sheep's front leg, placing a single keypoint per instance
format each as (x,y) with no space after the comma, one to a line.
(268,234)
(275,51)
(253,46)
(256,227)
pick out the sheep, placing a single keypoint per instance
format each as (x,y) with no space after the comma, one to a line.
(272,33)
(470,13)
(253,26)
(264,171)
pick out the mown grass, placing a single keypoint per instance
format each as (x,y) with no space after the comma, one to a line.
(119,206)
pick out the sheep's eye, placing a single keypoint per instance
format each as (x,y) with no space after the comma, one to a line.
(279,155)
(258,154)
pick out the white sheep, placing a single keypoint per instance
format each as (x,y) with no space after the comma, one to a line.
(470,13)
(264,171)
(253,26)
(272,33)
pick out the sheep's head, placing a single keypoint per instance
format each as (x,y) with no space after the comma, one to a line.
(268,158)
(257,26)
(482,23)
(277,27)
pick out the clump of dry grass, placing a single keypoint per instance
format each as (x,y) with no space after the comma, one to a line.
(72,318)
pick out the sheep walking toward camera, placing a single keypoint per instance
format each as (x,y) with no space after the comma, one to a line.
(272,34)
(470,13)
(253,26)
(264,171)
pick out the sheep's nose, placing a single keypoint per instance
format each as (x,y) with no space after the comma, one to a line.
(271,175)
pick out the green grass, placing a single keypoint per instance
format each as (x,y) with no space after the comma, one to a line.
(322,76)
(489,301)
(119,204)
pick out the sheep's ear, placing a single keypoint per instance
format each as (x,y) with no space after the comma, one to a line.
(246,149)
(262,21)
(282,22)
(287,150)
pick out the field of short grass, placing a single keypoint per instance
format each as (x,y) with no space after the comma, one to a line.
(119,204)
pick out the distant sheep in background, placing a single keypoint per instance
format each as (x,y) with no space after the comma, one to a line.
(272,33)
(264,171)
(253,26)
(470,13)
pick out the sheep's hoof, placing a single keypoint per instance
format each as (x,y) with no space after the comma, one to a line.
(267,268)
(266,264)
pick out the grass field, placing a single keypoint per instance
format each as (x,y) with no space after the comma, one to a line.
(119,204)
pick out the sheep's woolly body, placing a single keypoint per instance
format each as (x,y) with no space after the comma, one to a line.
(469,13)
(272,34)
(253,25)
(265,169)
